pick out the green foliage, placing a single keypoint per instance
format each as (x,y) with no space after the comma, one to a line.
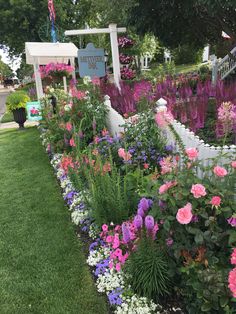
(210,287)
(17,100)
(113,196)
(187,54)
(148,270)
(24,70)
(5,70)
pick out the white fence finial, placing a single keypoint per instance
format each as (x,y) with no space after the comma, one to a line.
(161,105)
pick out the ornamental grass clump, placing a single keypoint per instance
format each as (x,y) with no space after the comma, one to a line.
(148,270)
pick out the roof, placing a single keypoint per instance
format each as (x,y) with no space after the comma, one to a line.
(44,53)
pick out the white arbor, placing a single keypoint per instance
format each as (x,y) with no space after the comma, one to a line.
(43,53)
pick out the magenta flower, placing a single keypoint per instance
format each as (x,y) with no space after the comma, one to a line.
(232,221)
(138,221)
(232,281)
(144,204)
(169,241)
(149,222)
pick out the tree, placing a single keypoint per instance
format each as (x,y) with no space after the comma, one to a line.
(179,22)
(21,20)
(5,70)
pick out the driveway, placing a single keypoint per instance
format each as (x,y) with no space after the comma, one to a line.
(3,96)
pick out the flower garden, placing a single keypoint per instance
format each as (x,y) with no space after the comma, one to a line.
(159,237)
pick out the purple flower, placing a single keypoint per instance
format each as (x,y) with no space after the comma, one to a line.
(81,135)
(194,218)
(162,204)
(169,148)
(232,221)
(93,246)
(169,241)
(114,297)
(149,222)
(141,212)
(144,204)
(101,267)
(138,221)
(125,232)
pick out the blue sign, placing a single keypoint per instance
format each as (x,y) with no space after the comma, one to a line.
(33,111)
(91,61)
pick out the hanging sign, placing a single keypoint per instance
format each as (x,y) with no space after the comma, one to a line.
(91,61)
(33,111)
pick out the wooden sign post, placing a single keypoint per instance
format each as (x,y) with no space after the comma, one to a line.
(112,30)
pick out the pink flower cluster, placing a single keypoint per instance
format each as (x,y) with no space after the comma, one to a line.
(142,89)
(166,186)
(127,73)
(226,117)
(52,69)
(125,42)
(192,153)
(168,165)
(163,119)
(232,274)
(123,154)
(125,59)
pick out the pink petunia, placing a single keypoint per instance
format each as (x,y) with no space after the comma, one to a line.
(233,257)
(68,126)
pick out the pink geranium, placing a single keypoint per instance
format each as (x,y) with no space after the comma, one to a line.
(232,281)
(215,201)
(184,215)
(233,257)
(198,190)
(192,153)
(220,171)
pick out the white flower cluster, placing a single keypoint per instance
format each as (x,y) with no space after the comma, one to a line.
(110,280)
(78,216)
(137,305)
(93,231)
(97,255)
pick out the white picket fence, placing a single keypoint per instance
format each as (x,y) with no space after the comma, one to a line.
(206,151)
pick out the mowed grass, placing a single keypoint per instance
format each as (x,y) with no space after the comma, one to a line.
(42,266)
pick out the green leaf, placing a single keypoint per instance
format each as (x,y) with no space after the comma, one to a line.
(166,225)
(206,307)
(198,238)
(223,301)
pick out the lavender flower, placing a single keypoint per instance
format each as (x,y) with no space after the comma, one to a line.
(149,222)
(138,221)
(125,232)
(114,297)
(101,267)
(145,204)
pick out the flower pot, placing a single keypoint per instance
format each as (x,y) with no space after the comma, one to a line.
(20,117)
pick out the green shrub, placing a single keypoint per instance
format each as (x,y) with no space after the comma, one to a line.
(187,54)
(17,100)
(148,270)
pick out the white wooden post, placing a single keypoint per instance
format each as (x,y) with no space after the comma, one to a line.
(112,30)
(72,63)
(64,84)
(38,81)
(115,54)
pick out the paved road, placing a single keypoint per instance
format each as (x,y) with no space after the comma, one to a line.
(3,96)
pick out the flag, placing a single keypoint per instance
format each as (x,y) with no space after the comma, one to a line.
(52,13)
(224,35)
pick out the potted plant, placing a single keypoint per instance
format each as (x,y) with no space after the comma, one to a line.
(16,103)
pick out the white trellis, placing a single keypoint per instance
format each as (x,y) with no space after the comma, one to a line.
(43,53)
(112,30)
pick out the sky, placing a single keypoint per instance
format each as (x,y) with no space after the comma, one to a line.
(13,64)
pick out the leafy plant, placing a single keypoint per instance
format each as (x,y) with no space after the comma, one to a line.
(148,270)
(17,100)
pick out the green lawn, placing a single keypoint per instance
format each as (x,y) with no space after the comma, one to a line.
(42,266)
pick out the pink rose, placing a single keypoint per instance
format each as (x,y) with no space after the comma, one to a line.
(192,153)
(215,201)
(220,171)
(198,190)
(184,215)
(233,164)
(165,187)
(233,257)
(232,281)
